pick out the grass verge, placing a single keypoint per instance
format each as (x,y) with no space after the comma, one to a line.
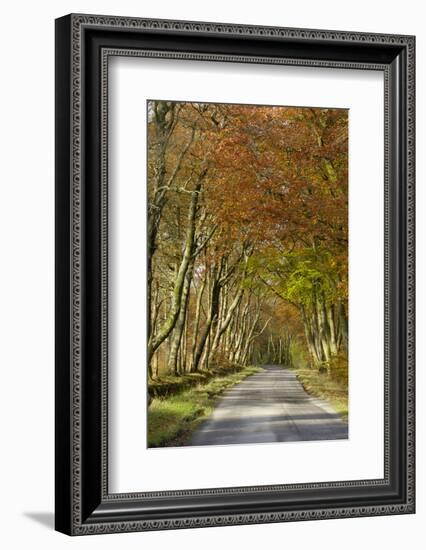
(173,419)
(168,385)
(326,387)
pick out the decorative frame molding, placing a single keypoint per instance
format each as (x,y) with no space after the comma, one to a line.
(84,44)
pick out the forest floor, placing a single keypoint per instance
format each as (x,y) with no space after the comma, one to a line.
(333,389)
(172,419)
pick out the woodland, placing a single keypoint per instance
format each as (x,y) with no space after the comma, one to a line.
(247,239)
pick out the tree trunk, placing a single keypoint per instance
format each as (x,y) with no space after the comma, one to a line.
(197,322)
(187,258)
(225,322)
(180,322)
(332,327)
(212,316)
(343,327)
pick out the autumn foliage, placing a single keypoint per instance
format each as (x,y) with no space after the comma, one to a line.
(247,235)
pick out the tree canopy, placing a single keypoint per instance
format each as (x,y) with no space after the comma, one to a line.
(247,235)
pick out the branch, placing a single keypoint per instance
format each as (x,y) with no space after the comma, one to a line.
(277,293)
(259,333)
(201,246)
(179,161)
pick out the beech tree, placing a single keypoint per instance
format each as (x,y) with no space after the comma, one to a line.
(247,235)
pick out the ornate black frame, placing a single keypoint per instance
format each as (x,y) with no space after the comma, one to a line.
(83,46)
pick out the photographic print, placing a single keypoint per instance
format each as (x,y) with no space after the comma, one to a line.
(225,271)
(247,273)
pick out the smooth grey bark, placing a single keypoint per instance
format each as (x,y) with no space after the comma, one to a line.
(212,316)
(223,325)
(197,320)
(180,322)
(165,117)
(156,340)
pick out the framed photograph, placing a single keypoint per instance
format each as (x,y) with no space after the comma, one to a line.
(234,274)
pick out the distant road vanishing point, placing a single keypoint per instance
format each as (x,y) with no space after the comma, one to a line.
(269,406)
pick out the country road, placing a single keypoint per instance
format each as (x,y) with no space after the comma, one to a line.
(267,407)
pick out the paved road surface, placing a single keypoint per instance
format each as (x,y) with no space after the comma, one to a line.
(266,407)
